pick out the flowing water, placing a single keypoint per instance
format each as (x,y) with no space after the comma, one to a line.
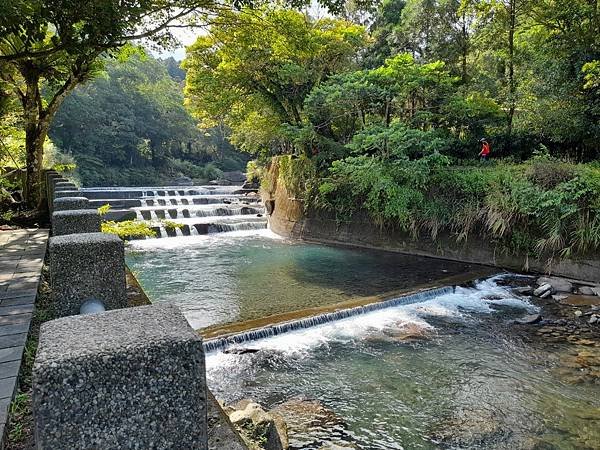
(444,373)
(229,277)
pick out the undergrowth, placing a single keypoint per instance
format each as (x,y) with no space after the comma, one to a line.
(545,208)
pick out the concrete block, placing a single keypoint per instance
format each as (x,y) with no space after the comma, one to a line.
(64,186)
(128,379)
(61,194)
(84,266)
(75,221)
(68,203)
(51,178)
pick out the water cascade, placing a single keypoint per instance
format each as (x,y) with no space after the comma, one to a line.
(200,209)
(261,333)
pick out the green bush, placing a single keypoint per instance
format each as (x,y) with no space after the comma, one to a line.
(548,208)
(128,229)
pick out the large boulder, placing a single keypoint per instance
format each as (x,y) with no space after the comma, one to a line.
(234,176)
(259,426)
(558,284)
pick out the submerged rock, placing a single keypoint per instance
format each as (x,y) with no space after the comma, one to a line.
(523,290)
(338,447)
(406,332)
(528,320)
(240,351)
(581,300)
(302,414)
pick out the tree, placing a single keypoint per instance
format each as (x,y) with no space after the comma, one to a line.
(130,119)
(255,68)
(50,46)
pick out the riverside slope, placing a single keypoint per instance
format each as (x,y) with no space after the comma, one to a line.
(288,218)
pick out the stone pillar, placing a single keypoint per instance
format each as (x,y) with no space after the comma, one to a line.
(128,379)
(68,203)
(84,266)
(52,177)
(75,221)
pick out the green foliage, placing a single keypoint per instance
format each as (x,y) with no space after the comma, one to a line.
(255,68)
(298,175)
(170,225)
(104,209)
(130,127)
(547,208)
(128,229)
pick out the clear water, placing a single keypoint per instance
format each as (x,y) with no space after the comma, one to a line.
(467,381)
(230,277)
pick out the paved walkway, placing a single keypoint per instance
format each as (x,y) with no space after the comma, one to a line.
(21,259)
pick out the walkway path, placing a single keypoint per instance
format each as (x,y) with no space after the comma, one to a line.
(21,259)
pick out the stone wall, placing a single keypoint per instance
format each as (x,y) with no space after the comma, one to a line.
(287,217)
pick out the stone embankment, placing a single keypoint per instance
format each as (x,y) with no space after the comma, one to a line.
(123,377)
(288,217)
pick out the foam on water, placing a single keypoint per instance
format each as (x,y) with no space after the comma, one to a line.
(203,239)
(461,305)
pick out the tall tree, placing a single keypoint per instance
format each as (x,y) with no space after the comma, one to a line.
(254,70)
(50,46)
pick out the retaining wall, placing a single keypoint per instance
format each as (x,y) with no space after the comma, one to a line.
(287,217)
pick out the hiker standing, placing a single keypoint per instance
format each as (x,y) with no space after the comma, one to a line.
(485,149)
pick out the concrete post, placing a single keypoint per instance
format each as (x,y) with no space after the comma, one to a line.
(52,177)
(84,266)
(75,221)
(128,379)
(68,203)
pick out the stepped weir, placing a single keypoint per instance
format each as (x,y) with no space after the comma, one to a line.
(196,209)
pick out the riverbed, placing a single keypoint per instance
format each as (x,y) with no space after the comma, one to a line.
(231,277)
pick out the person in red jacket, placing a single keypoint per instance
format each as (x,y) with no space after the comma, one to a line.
(485,149)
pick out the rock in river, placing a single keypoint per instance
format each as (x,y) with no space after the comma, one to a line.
(558,284)
(545,290)
(528,320)
(258,426)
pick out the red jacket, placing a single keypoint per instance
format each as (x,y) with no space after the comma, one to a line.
(485,150)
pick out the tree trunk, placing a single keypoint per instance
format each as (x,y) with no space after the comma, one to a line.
(37,124)
(35,134)
(512,88)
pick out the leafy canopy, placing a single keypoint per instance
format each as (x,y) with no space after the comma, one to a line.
(255,68)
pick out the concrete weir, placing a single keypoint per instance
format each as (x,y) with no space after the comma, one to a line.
(308,322)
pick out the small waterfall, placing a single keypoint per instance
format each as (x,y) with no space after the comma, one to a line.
(143,203)
(275,330)
(178,232)
(228,211)
(239,226)
(193,231)
(138,215)
(153,215)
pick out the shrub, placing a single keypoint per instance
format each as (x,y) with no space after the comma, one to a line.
(128,229)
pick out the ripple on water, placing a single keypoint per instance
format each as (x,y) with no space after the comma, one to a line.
(481,387)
